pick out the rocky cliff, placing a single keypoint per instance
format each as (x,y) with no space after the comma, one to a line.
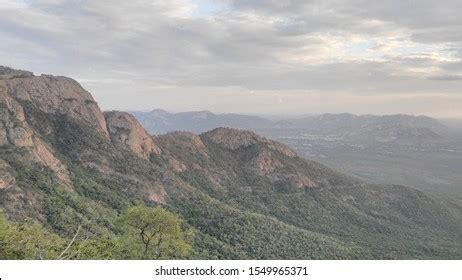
(125,130)
(15,131)
(51,94)
(234,139)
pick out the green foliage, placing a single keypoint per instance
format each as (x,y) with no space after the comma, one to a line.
(145,233)
(28,242)
(153,233)
(103,248)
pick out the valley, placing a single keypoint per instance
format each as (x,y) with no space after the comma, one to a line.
(433,167)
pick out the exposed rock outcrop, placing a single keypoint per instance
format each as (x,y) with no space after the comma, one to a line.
(10,73)
(177,165)
(125,130)
(194,140)
(234,139)
(301,181)
(42,153)
(52,94)
(15,131)
(192,143)
(6,179)
(265,164)
(13,126)
(157,194)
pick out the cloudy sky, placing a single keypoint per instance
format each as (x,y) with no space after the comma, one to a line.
(246,56)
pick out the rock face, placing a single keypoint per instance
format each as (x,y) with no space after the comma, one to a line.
(191,143)
(9,73)
(13,126)
(125,130)
(265,164)
(14,129)
(6,179)
(234,139)
(43,153)
(51,94)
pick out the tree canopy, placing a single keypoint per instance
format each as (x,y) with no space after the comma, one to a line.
(153,233)
(142,233)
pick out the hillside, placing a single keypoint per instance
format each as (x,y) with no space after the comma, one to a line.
(63,161)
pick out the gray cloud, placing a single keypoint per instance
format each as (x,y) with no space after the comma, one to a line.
(136,48)
(447,78)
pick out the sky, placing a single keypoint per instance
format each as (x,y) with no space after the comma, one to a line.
(246,56)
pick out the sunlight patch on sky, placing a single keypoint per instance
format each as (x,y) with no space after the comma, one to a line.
(207,7)
(13,4)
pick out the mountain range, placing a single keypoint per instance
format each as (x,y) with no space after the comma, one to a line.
(368,129)
(64,161)
(159,121)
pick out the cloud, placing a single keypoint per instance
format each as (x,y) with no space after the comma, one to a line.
(359,47)
(447,78)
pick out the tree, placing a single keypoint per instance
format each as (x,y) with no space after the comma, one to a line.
(153,233)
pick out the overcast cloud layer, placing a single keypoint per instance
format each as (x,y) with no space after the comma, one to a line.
(249,56)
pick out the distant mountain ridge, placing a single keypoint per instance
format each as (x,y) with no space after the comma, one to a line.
(363,128)
(371,128)
(159,121)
